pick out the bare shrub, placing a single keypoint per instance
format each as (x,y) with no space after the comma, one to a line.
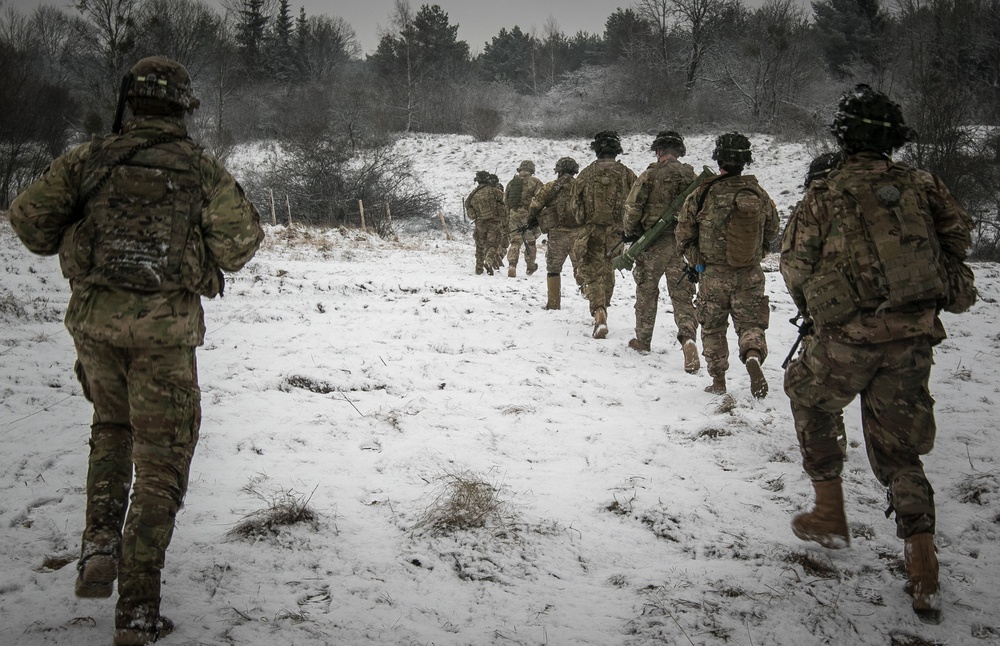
(466,501)
(284,508)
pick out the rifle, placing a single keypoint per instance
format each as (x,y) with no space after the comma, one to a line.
(627,259)
(116,127)
(805,329)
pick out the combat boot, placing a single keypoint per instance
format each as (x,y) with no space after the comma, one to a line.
(638,345)
(691,362)
(922,572)
(758,384)
(554,283)
(141,637)
(511,271)
(95,576)
(489,270)
(479,271)
(826,524)
(718,386)
(532,268)
(600,323)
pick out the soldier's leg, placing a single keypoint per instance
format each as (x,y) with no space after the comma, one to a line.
(751,312)
(557,250)
(897,413)
(713,316)
(682,292)
(514,250)
(647,294)
(109,469)
(166,416)
(479,235)
(531,250)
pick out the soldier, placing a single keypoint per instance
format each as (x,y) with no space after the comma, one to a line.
(485,207)
(652,193)
(873,297)
(598,202)
(550,211)
(518,195)
(144,222)
(504,240)
(725,229)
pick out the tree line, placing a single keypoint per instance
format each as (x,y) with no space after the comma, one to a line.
(265,72)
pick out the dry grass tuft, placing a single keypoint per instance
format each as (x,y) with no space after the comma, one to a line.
(813,566)
(283,509)
(467,501)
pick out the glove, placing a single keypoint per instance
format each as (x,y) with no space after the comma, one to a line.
(700,269)
(628,239)
(692,273)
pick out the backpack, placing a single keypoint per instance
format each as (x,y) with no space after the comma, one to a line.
(140,229)
(603,195)
(514,189)
(731,224)
(887,250)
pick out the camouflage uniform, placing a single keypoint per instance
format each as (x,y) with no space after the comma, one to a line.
(551,211)
(728,288)
(885,356)
(868,256)
(518,217)
(485,207)
(598,202)
(650,196)
(136,349)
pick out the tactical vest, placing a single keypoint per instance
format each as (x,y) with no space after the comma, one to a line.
(666,181)
(731,222)
(556,212)
(882,250)
(514,189)
(604,191)
(140,229)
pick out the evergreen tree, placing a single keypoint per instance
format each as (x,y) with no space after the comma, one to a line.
(251,30)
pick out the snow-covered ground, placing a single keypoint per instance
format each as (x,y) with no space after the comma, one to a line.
(370,377)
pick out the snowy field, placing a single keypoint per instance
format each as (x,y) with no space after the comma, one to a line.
(370,380)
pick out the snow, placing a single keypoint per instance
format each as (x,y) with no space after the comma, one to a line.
(366,375)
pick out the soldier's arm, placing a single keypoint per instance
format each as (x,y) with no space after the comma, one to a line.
(802,244)
(633,204)
(771,225)
(686,231)
(230,222)
(952,222)
(43,211)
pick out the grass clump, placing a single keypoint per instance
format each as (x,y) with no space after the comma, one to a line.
(284,508)
(466,501)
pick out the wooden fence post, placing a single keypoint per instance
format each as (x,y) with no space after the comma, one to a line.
(273,218)
(361,209)
(443,226)
(288,205)
(388,215)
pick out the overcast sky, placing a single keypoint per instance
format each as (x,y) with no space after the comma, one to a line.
(478,20)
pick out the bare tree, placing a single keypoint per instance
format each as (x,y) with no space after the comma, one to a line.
(700,22)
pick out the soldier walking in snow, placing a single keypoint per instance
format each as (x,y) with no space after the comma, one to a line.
(144,222)
(484,205)
(517,196)
(648,200)
(598,203)
(551,212)
(872,297)
(724,229)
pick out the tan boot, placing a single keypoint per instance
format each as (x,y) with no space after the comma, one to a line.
(554,283)
(638,345)
(600,323)
(922,571)
(826,524)
(511,271)
(718,386)
(758,384)
(96,576)
(141,636)
(691,362)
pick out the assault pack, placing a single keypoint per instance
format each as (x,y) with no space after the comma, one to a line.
(731,231)
(602,191)
(140,229)
(514,189)
(885,248)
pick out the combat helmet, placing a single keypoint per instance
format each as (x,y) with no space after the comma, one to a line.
(668,139)
(869,120)
(567,165)
(606,142)
(482,177)
(732,150)
(821,166)
(527,165)
(161,85)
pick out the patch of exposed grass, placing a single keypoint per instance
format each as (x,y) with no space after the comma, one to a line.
(812,565)
(285,508)
(465,501)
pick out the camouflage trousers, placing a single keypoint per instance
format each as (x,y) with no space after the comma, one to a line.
(897,417)
(658,260)
(517,239)
(147,414)
(487,237)
(560,246)
(596,275)
(726,292)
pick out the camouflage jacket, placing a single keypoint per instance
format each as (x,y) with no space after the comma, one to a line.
(599,193)
(529,187)
(653,192)
(809,248)
(702,239)
(485,204)
(44,213)
(551,205)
